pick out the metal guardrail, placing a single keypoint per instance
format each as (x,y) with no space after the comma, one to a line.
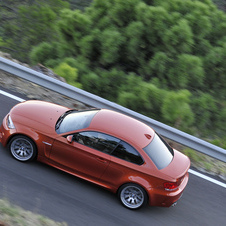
(96,101)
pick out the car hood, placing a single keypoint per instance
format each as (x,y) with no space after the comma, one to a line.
(39,115)
(178,167)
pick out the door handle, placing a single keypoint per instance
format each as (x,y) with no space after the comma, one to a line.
(103,160)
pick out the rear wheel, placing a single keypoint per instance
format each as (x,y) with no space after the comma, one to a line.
(22,148)
(132,196)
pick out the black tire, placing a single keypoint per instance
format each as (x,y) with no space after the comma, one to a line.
(22,148)
(132,196)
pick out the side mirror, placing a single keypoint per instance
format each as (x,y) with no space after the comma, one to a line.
(70,138)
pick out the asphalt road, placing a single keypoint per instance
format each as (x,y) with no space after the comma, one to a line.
(42,189)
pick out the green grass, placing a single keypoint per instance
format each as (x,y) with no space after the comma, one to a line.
(193,155)
(205,163)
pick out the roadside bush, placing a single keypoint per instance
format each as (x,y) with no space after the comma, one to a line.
(176,109)
(69,73)
(45,52)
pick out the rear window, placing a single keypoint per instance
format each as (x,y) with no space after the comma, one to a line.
(75,120)
(159,152)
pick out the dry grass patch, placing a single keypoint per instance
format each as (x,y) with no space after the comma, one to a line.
(16,216)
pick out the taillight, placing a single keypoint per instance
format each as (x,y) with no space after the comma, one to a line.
(170,186)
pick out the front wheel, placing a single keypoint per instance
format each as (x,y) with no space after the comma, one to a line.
(22,148)
(132,196)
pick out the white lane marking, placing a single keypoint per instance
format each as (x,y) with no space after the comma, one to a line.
(11,96)
(190,170)
(207,178)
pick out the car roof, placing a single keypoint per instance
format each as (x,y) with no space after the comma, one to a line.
(123,127)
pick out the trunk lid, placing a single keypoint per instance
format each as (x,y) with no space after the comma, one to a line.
(178,167)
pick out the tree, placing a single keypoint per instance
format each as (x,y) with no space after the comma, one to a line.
(79,4)
(216,69)
(187,72)
(105,83)
(142,97)
(28,23)
(221,4)
(176,109)
(205,108)
(170,49)
(69,73)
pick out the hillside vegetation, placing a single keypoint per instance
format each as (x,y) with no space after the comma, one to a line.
(165,59)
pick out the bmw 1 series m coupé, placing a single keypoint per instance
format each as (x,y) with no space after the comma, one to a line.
(102,146)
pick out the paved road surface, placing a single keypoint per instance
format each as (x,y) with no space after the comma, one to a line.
(65,198)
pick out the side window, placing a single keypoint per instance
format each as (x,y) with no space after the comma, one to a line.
(128,153)
(96,140)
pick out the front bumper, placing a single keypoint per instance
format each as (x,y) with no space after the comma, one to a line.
(5,132)
(1,135)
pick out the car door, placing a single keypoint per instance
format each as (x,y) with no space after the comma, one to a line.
(86,154)
(125,161)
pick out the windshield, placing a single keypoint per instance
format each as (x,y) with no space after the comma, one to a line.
(74,120)
(159,152)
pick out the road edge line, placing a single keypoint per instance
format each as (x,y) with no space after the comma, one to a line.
(11,96)
(207,178)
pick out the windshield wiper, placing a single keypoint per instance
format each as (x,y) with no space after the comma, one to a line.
(59,121)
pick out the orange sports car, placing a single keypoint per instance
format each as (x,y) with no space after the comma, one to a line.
(102,146)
